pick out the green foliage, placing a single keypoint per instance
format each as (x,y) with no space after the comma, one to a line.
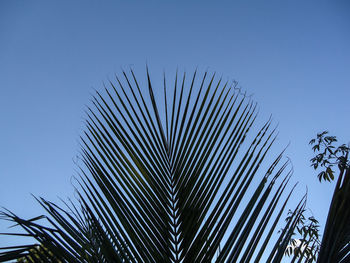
(335,245)
(305,243)
(328,155)
(38,254)
(162,180)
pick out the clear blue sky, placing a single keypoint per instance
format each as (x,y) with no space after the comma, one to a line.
(294,57)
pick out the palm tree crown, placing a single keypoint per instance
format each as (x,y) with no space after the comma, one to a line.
(168,180)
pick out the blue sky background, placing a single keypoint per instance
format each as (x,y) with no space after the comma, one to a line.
(293,56)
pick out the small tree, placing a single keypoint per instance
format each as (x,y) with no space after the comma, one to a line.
(305,244)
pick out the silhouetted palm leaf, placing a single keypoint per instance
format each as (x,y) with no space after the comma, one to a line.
(168,180)
(335,246)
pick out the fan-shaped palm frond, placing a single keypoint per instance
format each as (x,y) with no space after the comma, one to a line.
(169,180)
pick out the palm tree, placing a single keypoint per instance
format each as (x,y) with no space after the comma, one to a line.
(176,179)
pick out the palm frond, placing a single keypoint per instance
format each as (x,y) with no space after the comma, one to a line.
(336,237)
(170,180)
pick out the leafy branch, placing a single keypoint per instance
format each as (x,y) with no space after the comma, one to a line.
(328,155)
(307,245)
